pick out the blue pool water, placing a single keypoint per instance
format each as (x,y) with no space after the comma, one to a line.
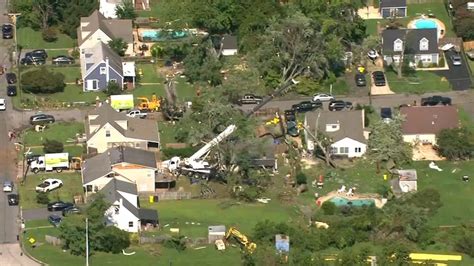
(339,201)
(157,35)
(426,24)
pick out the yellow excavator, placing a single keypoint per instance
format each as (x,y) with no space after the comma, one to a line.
(243,239)
(151,106)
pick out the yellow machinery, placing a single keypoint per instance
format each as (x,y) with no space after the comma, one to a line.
(243,239)
(145,104)
(75,163)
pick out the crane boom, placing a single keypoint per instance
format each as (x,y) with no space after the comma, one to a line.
(206,148)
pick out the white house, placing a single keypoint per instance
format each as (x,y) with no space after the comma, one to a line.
(417,45)
(422,123)
(96,28)
(108,7)
(344,128)
(229,45)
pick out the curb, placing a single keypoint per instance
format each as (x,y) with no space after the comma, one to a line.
(31,257)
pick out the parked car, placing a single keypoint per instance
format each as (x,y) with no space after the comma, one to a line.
(13,199)
(71,210)
(7,186)
(26,61)
(41,119)
(339,105)
(3,105)
(306,106)
(290,115)
(379,78)
(11,78)
(59,206)
(322,97)
(7,31)
(360,80)
(137,114)
(11,90)
(250,99)
(55,220)
(456,59)
(63,60)
(435,100)
(49,184)
(39,53)
(470,54)
(386,112)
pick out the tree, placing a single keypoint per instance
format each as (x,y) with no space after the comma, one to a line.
(386,143)
(42,81)
(71,13)
(465,244)
(456,143)
(126,10)
(45,11)
(301,178)
(464,24)
(111,239)
(50,34)
(329,208)
(42,198)
(157,50)
(119,46)
(52,146)
(203,65)
(113,88)
(394,253)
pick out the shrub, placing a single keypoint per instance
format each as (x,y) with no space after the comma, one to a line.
(52,146)
(50,34)
(42,81)
(301,179)
(420,64)
(42,198)
(113,88)
(329,208)
(176,242)
(441,62)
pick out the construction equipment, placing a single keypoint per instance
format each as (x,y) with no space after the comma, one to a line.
(195,164)
(241,238)
(152,105)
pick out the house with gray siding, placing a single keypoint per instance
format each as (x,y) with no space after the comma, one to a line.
(393,8)
(416,45)
(101,65)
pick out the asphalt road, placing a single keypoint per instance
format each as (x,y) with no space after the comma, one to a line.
(458,76)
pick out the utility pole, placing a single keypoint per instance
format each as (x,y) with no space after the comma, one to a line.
(87,242)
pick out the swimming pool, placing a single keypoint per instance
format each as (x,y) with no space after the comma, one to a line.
(152,35)
(426,24)
(340,201)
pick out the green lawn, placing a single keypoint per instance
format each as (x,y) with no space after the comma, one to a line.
(62,132)
(148,90)
(167,132)
(71,73)
(55,52)
(184,90)
(150,74)
(72,186)
(371,26)
(421,82)
(29,39)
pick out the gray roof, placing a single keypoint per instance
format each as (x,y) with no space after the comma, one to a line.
(111,193)
(393,3)
(351,124)
(412,38)
(102,164)
(229,42)
(100,53)
(216,229)
(114,28)
(148,214)
(137,128)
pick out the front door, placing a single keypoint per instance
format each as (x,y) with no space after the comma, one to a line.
(92,84)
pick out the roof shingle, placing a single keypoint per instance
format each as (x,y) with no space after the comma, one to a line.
(351,124)
(428,119)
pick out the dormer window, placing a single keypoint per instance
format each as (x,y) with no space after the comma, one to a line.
(424,44)
(398,45)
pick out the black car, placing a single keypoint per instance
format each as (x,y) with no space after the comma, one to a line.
(250,99)
(63,60)
(39,53)
(379,78)
(7,31)
(59,206)
(11,90)
(41,119)
(13,199)
(386,113)
(435,100)
(32,61)
(55,220)
(292,128)
(360,80)
(339,105)
(71,210)
(306,106)
(290,115)
(11,78)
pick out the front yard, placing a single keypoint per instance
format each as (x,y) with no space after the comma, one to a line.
(72,186)
(64,132)
(30,39)
(419,83)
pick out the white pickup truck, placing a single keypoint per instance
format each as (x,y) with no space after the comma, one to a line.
(137,113)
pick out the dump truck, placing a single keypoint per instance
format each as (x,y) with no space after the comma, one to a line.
(50,162)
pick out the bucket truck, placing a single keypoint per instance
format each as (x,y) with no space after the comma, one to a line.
(195,165)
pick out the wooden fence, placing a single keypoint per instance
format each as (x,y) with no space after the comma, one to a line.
(468,45)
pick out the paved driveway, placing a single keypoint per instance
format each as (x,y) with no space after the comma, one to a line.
(458,76)
(38,214)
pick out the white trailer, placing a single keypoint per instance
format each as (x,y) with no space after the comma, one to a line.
(51,162)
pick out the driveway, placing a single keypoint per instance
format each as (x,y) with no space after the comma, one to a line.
(38,214)
(458,76)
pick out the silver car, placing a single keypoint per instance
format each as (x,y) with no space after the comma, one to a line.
(8,186)
(456,59)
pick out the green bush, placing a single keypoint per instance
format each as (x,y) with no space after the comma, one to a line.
(52,146)
(50,34)
(301,178)
(42,81)
(176,242)
(42,198)
(420,64)
(441,62)
(329,208)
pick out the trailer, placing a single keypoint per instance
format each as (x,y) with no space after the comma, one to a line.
(51,162)
(122,102)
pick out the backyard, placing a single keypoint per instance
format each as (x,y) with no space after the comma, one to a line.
(30,39)
(72,186)
(418,83)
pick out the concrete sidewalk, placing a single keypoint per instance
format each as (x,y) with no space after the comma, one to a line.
(12,255)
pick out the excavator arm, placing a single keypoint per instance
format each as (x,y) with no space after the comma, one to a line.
(241,238)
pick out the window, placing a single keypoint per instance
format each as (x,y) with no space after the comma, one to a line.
(117,208)
(424,44)
(358,150)
(398,45)
(130,224)
(103,70)
(333,150)
(107,133)
(343,150)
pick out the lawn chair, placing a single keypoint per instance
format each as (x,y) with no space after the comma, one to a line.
(342,189)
